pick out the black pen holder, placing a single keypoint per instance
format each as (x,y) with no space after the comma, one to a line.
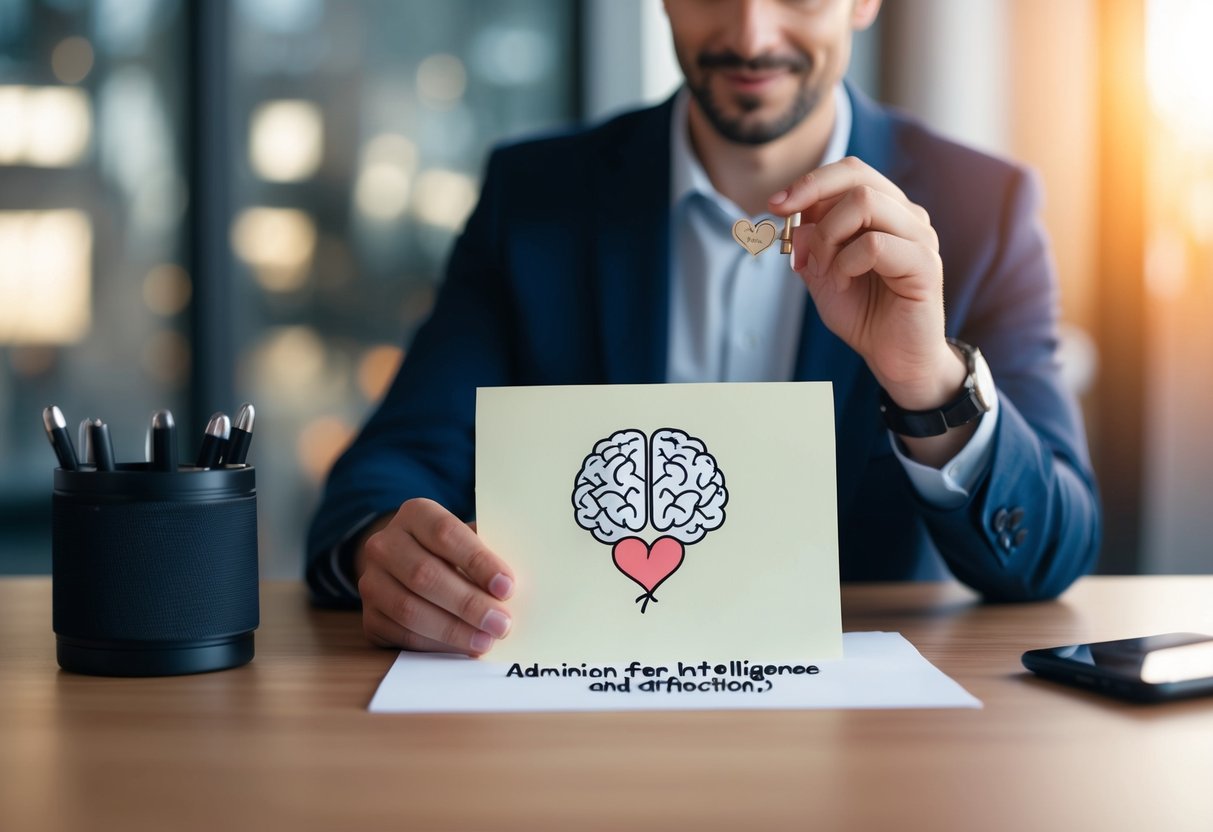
(154,572)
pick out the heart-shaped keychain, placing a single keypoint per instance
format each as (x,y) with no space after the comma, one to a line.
(755,238)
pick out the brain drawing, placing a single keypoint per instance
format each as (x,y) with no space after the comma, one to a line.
(669,481)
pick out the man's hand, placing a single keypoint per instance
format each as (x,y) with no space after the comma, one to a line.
(870,259)
(428,583)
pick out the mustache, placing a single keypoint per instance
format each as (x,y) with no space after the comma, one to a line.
(729,59)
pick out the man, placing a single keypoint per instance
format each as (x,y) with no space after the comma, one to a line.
(606,257)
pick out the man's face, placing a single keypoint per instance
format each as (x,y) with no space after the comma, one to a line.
(757,68)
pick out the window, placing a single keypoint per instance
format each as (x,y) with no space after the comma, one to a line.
(355,136)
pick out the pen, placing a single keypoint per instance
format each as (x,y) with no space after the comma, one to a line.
(56,432)
(242,436)
(103,449)
(213,441)
(163,441)
(85,441)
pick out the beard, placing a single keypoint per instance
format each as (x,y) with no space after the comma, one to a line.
(741,128)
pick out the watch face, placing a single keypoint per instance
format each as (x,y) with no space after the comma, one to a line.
(983,382)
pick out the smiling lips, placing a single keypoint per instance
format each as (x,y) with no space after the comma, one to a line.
(749,81)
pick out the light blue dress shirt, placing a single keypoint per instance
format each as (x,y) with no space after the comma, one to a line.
(737,317)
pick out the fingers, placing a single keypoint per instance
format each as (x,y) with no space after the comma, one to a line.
(840,205)
(908,270)
(430,584)
(855,223)
(395,615)
(446,536)
(830,181)
(819,209)
(863,209)
(384,632)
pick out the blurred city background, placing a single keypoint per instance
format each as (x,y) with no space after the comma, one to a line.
(204,202)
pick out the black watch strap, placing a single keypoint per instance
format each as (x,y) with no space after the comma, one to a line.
(966,407)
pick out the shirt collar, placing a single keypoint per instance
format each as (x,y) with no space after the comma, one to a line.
(687,176)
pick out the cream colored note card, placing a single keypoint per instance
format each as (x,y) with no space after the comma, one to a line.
(658,523)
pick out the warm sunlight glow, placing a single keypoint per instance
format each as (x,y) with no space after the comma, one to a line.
(1179,66)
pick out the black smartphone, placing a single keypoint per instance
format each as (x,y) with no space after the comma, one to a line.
(1149,669)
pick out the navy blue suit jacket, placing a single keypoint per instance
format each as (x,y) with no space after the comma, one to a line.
(562,277)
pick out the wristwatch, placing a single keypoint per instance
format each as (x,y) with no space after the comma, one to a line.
(976,397)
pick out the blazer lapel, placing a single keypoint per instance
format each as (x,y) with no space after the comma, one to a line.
(632,246)
(872,136)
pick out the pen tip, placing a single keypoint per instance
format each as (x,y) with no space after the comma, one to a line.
(219,425)
(245,417)
(52,417)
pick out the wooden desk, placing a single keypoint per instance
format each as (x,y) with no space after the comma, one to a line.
(286,743)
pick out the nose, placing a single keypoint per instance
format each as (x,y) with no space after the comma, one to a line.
(755,28)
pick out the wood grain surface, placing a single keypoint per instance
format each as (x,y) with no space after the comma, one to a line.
(286,742)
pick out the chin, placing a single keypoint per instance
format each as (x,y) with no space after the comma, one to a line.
(755,118)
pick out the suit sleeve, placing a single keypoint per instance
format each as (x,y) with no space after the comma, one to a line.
(1032,525)
(420,440)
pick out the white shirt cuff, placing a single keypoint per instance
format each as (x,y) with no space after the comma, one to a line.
(949,486)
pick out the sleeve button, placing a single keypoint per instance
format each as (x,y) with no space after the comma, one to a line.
(1016,517)
(999,522)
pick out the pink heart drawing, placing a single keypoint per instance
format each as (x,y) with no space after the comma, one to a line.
(648,566)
